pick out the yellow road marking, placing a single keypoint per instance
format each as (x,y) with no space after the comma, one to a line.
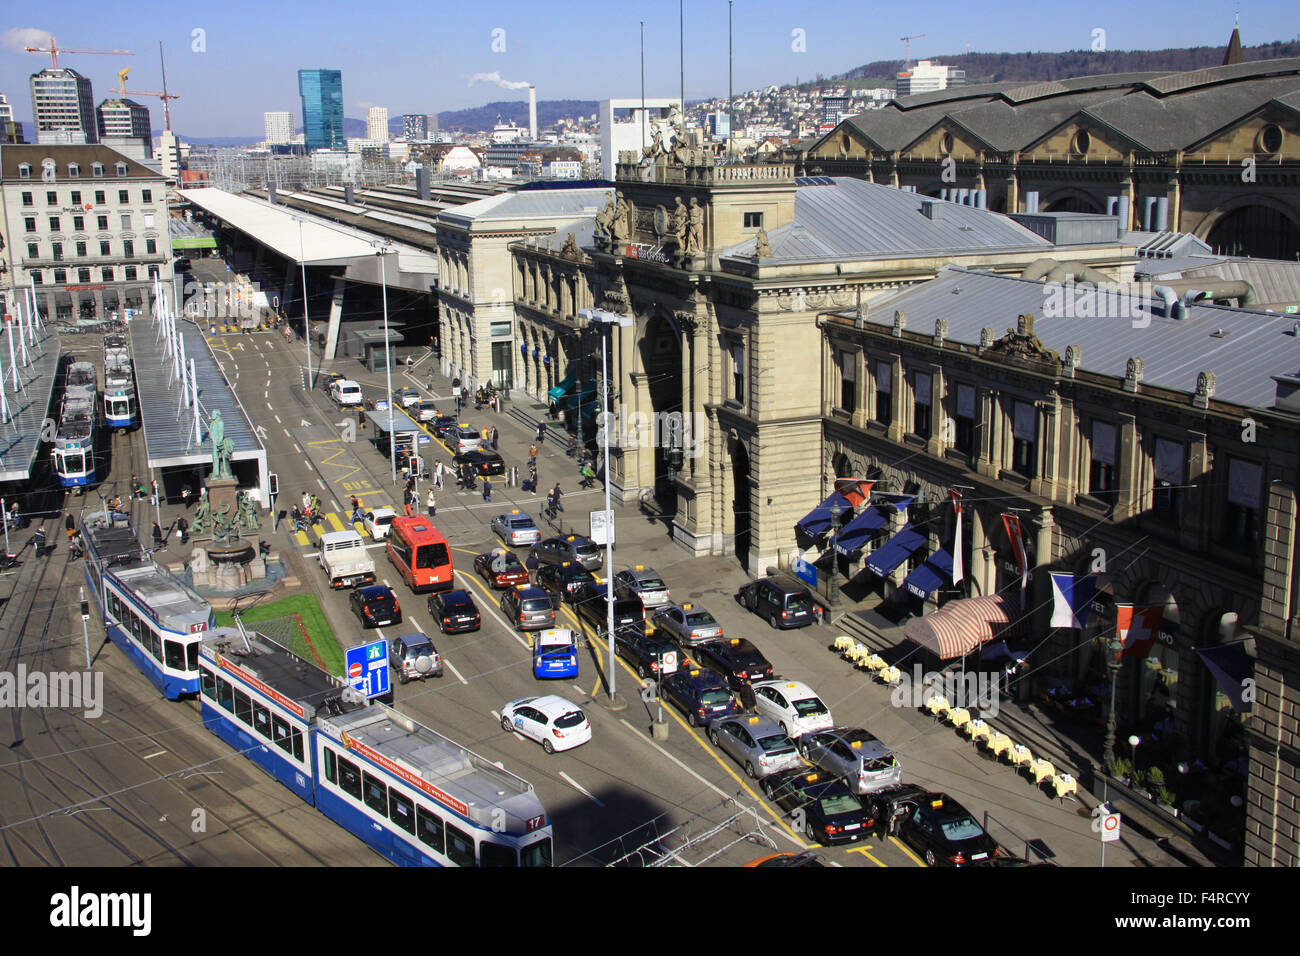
(863,850)
(334,521)
(323,441)
(302,538)
(902,846)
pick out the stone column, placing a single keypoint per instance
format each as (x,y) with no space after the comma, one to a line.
(1047,424)
(1130,457)
(896,395)
(980,559)
(1013,193)
(988,435)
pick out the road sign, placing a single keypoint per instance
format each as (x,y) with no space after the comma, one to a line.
(367,668)
(805,571)
(1110,828)
(602,527)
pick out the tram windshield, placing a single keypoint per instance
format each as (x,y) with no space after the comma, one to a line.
(72,462)
(537,854)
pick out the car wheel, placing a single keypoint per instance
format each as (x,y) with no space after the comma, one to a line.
(402,678)
(693,719)
(809,832)
(930,858)
(768,789)
(713,735)
(802,747)
(771,619)
(507,726)
(547,746)
(641,672)
(749,770)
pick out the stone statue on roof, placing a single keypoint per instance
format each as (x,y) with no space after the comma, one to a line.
(762,247)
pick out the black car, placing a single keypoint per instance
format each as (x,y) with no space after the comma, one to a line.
(651,656)
(701,694)
(779,604)
(737,660)
(375,606)
(822,806)
(443,426)
(592,606)
(565,581)
(455,612)
(484,463)
(936,826)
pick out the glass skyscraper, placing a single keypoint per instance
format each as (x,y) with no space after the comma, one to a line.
(322,108)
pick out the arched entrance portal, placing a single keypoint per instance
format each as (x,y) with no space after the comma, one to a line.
(1258,231)
(742,503)
(661,360)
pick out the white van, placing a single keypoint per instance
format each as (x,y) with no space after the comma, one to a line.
(346,393)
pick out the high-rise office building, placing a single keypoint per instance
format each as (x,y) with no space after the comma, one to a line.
(279,127)
(377,124)
(322,108)
(419,127)
(835,106)
(927,77)
(123,118)
(63,108)
(11,131)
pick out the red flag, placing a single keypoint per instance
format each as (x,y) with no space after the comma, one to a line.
(1012,524)
(856,490)
(958,571)
(1137,628)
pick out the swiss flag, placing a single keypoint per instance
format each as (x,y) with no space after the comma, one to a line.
(1137,628)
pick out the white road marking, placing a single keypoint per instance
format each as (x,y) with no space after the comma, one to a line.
(579,689)
(492,609)
(157,753)
(286,433)
(297,448)
(268,405)
(335,504)
(322,485)
(452,668)
(582,790)
(496,716)
(277,420)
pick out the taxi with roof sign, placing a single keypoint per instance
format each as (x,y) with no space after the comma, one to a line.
(825,808)
(642,583)
(555,653)
(755,743)
(687,624)
(500,569)
(516,528)
(700,694)
(792,704)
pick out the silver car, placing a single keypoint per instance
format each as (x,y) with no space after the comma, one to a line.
(516,528)
(644,583)
(574,547)
(687,624)
(864,762)
(755,742)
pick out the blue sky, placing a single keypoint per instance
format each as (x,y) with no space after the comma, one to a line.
(419,57)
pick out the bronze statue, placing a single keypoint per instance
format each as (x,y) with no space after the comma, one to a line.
(248,512)
(200,525)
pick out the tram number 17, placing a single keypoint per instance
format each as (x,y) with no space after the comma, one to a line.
(535,822)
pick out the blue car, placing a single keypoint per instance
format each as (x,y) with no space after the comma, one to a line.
(701,694)
(555,653)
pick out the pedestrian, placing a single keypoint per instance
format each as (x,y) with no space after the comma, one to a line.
(295,516)
(406,505)
(183,529)
(361,417)
(532,478)
(158,538)
(431,503)
(487,488)
(541,432)
(532,454)
(38,539)
(69,523)
(409,363)
(14,520)
(306,504)
(437,474)
(495,438)
(316,508)
(484,435)
(557,492)
(429,380)
(356,509)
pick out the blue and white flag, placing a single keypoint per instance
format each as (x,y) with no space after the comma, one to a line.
(1073,599)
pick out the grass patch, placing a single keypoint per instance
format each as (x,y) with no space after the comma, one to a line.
(307,610)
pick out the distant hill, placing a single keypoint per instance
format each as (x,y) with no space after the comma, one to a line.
(485,117)
(1039,67)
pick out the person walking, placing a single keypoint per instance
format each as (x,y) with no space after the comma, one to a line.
(541,432)
(532,454)
(487,488)
(495,438)
(431,503)
(532,479)
(69,524)
(38,539)
(183,528)
(437,474)
(406,504)
(158,538)
(356,509)
(306,504)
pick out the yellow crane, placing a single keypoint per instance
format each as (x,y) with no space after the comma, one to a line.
(164,96)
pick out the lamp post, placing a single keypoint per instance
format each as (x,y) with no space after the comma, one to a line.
(1113,663)
(306,319)
(836,511)
(1133,742)
(380,251)
(607,319)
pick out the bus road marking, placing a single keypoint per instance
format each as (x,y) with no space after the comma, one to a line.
(582,790)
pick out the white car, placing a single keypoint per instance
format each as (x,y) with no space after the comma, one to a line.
(552,721)
(377,522)
(793,705)
(516,528)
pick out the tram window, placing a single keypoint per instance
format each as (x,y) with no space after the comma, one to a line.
(208,683)
(297,743)
(401,811)
(349,778)
(537,854)
(192,657)
(376,794)
(243,707)
(494,854)
(460,847)
(429,828)
(331,770)
(114,607)
(174,654)
(225,694)
(133,625)
(280,732)
(262,720)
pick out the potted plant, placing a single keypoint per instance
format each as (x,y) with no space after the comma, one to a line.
(1121,768)
(1155,779)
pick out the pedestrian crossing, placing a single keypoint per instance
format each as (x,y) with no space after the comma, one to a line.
(333,522)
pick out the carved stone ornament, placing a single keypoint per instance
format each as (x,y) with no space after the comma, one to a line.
(1021,342)
(1071,360)
(940,332)
(661,223)
(986,338)
(1133,374)
(570,249)
(1205,382)
(900,322)
(686,321)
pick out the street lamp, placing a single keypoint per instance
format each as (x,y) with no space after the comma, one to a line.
(306,319)
(1113,664)
(836,511)
(623,321)
(381,250)
(1133,742)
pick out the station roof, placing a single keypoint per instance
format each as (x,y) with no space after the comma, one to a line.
(29,405)
(168,437)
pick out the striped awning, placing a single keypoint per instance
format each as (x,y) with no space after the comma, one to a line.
(961,626)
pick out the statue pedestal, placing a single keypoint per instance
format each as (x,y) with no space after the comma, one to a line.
(221,495)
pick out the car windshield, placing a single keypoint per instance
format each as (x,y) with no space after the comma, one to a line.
(963,829)
(700,619)
(651,584)
(797,602)
(555,650)
(587,551)
(714,698)
(537,604)
(522,523)
(572,719)
(776,744)
(842,803)
(881,763)
(812,707)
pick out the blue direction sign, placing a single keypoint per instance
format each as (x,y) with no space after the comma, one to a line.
(367,668)
(804,570)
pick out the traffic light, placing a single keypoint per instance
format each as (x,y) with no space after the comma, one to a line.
(275,484)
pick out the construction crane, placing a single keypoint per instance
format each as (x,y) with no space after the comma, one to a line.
(164,96)
(54,52)
(907,50)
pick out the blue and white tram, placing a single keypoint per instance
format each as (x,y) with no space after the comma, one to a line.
(74,444)
(148,612)
(119,383)
(409,793)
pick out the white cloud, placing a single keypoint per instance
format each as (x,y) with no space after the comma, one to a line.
(16,38)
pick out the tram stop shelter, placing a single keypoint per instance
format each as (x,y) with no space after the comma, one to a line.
(405,431)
